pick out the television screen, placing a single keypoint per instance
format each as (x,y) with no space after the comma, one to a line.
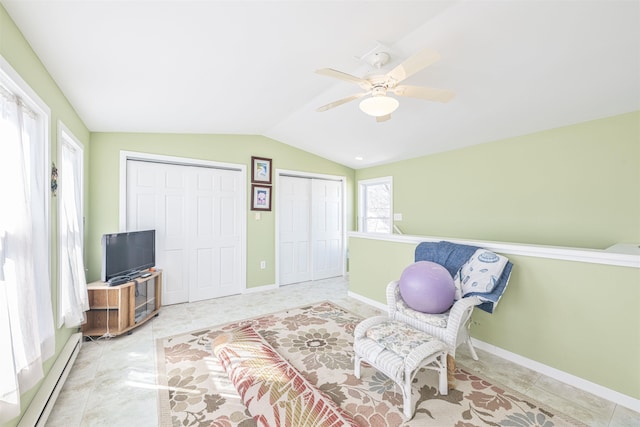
(125,254)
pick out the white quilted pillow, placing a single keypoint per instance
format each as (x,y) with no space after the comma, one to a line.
(480,273)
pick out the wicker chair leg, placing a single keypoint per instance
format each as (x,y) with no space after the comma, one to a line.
(356,366)
(443,373)
(451,368)
(407,406)
(472,350)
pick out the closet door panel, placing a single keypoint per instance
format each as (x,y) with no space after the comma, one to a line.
(326,230)
(294,230)
(155,200)
(217,234)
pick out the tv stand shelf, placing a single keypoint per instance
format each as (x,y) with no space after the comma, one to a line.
(115,310)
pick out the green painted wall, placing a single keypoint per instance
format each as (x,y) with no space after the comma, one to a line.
(17,52)
(105,167)
(577,317)
(572,186)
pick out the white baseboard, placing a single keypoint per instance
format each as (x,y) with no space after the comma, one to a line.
(259,289)
(572,380)
(369,301)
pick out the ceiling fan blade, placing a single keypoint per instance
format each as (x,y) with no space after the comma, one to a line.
(330,72)
(428,93)
(413,64)
(341,101)
(383,118)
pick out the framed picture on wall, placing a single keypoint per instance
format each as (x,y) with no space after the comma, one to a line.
(260,170)
(260,197)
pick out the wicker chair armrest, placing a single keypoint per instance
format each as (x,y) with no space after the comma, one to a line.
(391,297)
(461,311)
(362,327)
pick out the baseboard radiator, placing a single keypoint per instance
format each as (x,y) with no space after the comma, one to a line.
(38,411)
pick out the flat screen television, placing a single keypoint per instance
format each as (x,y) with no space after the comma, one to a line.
(125,255)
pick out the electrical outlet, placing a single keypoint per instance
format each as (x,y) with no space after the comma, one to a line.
(263,265)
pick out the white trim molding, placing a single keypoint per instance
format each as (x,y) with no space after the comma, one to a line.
(594,256)
(257,289)
(368,301)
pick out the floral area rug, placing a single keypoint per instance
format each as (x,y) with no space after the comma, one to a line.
(317,340)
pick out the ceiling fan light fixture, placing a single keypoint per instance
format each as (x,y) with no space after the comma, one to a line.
(378,106)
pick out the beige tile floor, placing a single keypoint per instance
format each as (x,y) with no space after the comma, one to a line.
(113,382)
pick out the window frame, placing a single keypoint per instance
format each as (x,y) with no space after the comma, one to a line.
(66,137)
(363,185)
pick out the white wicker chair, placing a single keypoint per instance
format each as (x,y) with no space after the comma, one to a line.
(451,327)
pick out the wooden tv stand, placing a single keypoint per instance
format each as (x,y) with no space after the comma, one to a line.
(115,310)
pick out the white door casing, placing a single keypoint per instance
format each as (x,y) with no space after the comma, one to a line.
(200,220)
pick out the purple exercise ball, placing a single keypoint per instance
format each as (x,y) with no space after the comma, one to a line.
(427,287)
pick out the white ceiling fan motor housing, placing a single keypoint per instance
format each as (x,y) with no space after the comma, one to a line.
(378,59)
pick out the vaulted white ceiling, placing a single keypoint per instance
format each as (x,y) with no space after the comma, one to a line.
(247,67)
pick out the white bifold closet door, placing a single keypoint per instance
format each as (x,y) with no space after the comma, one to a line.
(310,229)
(196,212)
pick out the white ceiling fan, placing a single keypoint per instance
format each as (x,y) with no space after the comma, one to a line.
(379,104)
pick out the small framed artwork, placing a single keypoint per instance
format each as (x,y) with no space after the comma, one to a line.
(260,197)
(260,170)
